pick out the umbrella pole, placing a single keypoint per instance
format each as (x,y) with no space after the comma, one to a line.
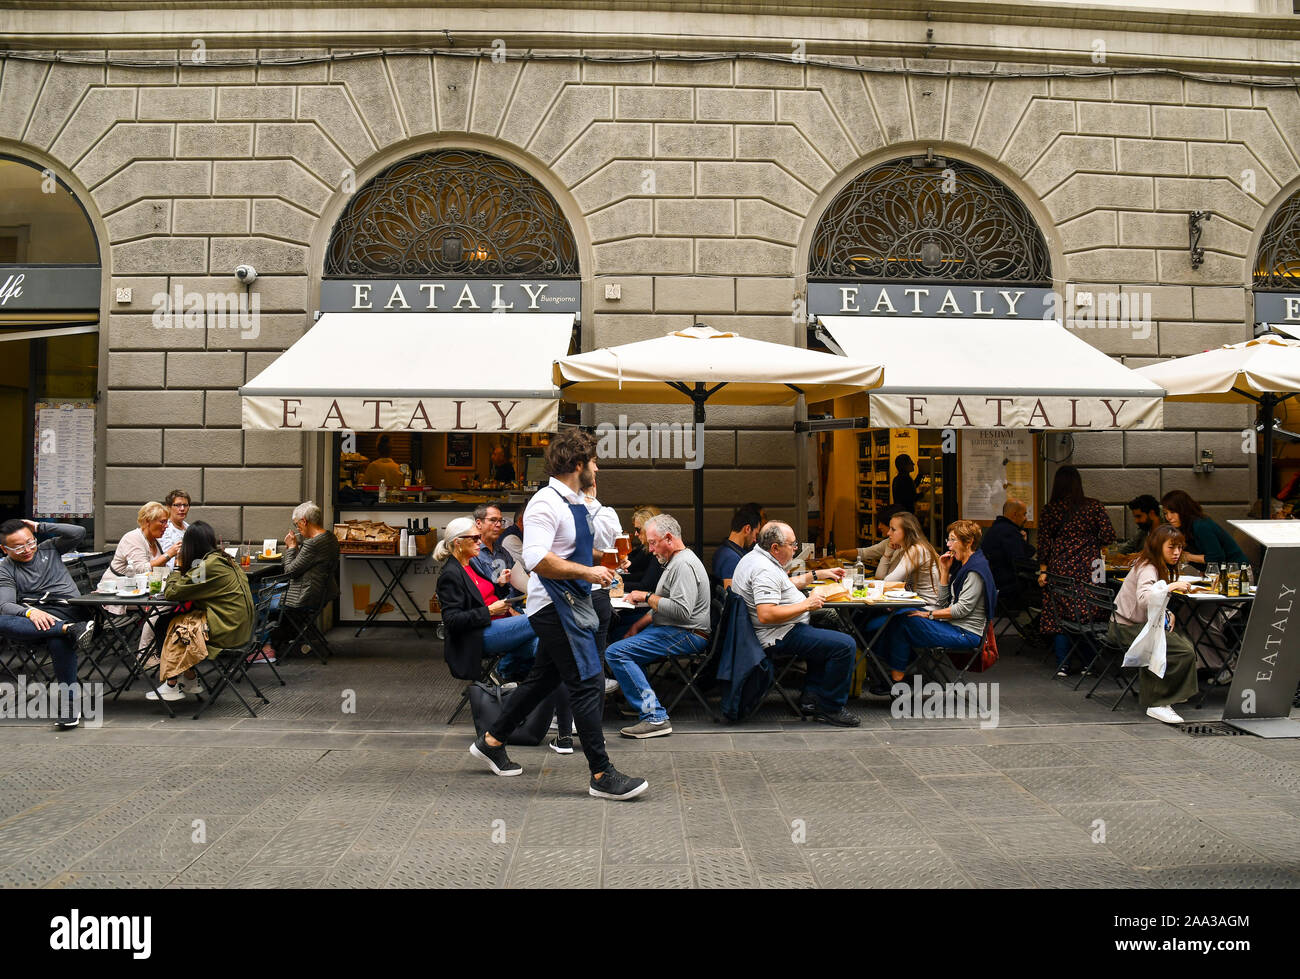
(1266,448)
(697,476)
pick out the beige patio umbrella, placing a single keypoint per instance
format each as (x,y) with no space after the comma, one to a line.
(1264,371)
(700,364)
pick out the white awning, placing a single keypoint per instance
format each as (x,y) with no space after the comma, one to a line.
(965,373)
(415,372)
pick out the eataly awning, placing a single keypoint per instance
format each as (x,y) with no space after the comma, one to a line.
(966,373)
(414,372)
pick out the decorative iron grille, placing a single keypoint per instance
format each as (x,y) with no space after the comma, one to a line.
(941,222)
(1277,264)
(453,213)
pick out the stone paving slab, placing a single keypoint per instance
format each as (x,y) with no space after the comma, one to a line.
(389,797)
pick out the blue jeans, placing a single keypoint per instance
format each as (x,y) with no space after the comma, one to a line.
(515,638)
(653,643)
(829,656)
(916,630)
(888,645)
(63,651)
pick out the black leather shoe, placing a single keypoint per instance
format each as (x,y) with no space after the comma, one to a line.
(840,718)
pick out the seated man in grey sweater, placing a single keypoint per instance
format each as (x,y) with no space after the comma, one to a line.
(33,581)
(311,563)
(677,624)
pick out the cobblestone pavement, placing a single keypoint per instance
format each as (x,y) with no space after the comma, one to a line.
(307,795)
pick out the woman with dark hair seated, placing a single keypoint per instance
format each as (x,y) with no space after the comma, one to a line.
(220,610)
(476,621)
(967,598)
(1157,562)
(1207,542)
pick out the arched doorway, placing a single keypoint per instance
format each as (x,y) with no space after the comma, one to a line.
(1275,281)
(928,239)
(450,283)
(49,344)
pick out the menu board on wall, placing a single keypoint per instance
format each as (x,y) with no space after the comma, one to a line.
(64,459)
(996,465)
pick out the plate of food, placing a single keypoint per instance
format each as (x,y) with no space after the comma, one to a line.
(132,592)
(270,557)
(902,594)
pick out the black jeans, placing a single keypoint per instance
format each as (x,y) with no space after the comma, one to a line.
(553,667)
(604,612)
(291,620)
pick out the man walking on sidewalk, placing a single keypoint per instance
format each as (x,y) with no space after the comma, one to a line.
(558,546)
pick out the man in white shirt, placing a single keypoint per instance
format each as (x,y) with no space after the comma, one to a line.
(780,613)
(558,542)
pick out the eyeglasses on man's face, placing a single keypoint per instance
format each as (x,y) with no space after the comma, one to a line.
(23,548)
(180,505)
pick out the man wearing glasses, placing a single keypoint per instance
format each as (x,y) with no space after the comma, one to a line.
(492,562)
(178,508)
(779,612)
(33,573)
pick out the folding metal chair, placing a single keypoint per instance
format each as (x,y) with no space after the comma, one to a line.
(1023,611)
(1102,599)
(307,634)
(1083,632)
(489,663)
(95,565)
(264,597)
(226,669)
(690,667)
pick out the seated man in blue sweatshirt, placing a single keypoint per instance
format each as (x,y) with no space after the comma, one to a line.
(30,575)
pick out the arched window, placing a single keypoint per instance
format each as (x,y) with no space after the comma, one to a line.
(454,213)
(930,220)
(1277,263)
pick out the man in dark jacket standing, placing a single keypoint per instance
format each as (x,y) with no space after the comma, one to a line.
(1004,544)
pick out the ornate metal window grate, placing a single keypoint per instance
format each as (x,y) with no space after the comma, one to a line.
(453,213)
(1277,265)
(930,220)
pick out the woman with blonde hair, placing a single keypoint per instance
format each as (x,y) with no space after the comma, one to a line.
(142,547)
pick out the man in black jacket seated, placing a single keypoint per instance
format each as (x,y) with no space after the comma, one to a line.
(1005,543)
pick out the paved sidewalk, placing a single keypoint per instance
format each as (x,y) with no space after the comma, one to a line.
(307,795)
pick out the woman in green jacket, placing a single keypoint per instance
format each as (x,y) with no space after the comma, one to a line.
(211,581)
(1207,542)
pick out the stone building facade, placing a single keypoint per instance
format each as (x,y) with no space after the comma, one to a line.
(692,178)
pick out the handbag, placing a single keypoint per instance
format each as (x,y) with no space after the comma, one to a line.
(487,704)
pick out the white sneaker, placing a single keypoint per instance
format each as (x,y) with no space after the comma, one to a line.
(611,686)
(165,691)
(1165,714)
(194,686)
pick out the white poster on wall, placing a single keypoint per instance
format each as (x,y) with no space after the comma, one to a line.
(996,465)
(64,459)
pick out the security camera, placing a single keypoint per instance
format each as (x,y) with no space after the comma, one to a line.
(245,274)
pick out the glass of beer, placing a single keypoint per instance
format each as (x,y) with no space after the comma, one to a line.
(623,544)
(610,559)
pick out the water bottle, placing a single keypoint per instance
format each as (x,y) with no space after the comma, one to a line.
(383,490)
(1247,578)
(859,576)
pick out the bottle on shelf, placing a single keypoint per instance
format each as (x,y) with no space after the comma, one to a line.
(383,490)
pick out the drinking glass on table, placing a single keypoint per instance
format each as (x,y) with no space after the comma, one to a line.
(1212,572)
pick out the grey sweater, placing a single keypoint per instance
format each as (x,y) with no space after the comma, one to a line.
(44,573)
(683,592)
(968,608)
(313,569)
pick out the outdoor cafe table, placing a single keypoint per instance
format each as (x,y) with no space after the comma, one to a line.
(113,634)
(867,645)
(390,569)
(1200,613)
(263,569)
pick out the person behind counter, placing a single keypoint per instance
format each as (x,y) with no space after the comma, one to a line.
(383,468)
(477,622)
(502,470)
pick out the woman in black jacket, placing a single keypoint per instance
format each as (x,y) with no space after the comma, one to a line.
(478,623)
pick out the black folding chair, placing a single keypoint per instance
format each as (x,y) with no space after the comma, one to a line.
(306,633)
(690,667)
(228,667)
(95,565)
(1085,633)
(1021,610)
(29,659)
(264,596)
(1101,601)
(488,665)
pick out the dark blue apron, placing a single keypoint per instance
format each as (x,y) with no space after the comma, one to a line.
(572,597)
